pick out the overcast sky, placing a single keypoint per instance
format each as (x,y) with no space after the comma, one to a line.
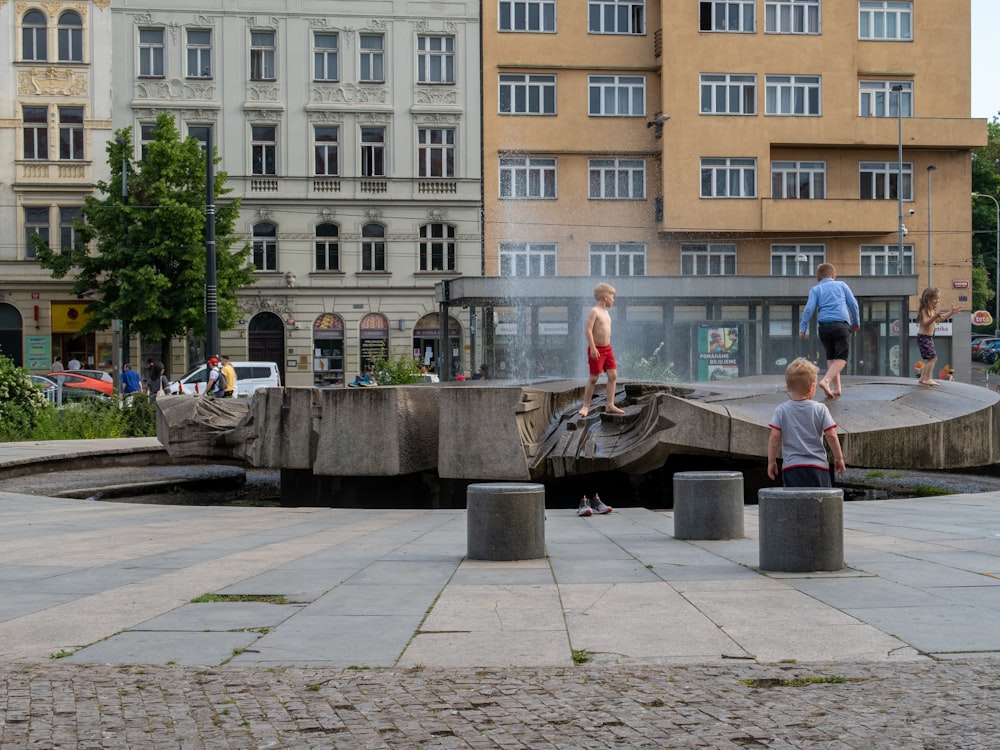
(985,58)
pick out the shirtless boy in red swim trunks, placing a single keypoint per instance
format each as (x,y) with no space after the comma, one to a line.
(599,354)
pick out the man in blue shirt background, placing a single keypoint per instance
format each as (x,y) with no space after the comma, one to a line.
(131,382)
(838,314)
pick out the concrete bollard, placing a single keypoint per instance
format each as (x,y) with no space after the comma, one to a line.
(708,505)
(505,521)
(801,529)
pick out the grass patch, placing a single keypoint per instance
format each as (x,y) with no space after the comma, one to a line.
(875,475)
(928,490)
(61,654)
(813,679)
(580,656)
(267,598)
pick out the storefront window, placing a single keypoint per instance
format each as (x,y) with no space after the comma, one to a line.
(328,350)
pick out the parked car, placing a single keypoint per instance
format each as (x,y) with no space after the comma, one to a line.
(74,379)
(47,385)
(72,394)
(978,344)
(250,377)
(99,374)
(989,352)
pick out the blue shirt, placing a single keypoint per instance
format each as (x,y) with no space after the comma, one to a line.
(131,381)
(835,303)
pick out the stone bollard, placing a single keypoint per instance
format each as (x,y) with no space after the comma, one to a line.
(801,529)
(708,505)
(505,521)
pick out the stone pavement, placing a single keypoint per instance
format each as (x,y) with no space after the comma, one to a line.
(330,628)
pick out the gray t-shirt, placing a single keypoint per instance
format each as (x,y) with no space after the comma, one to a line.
(802,424)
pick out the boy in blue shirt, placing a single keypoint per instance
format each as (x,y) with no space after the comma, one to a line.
(838,314)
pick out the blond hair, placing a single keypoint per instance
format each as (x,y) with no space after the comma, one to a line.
(800,374)
(825,271)
(928,299)
(603,288)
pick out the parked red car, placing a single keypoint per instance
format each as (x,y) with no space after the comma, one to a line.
(75,380)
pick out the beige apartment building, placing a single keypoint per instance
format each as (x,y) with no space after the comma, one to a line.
(720,146)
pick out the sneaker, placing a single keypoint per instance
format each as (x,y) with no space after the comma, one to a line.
(599,506)
(584,509)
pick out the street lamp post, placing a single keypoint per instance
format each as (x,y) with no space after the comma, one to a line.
(898,91)
(996,302)
(930,170)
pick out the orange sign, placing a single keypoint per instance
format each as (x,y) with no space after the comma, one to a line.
(68,317)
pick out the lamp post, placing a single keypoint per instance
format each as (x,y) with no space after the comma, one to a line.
(930,170)
(125,355)
(996,302)
(898,91)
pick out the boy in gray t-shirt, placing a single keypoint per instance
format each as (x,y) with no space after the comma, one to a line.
(799,427)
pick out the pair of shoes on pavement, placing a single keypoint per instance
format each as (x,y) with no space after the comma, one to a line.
(589,507)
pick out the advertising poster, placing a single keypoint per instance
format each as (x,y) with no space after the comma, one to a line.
(38,351)
(719,354)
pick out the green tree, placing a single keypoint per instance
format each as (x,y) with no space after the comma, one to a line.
(142,256)
(986,180)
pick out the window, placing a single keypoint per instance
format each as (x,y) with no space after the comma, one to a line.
(326,52)
(617,179)
(68,236)
(263,149)
(617,16)
(70,37)
(326,150)
(437,247)
(373,247)
(151,53)
(728,94)
(147,132)
(199,53)
(785,259)
(791,16)
(714,259)
(727,15)
(879,100)
(525,178)
(34,37)
(798,179)
(883,260)
(885,20)
(879,180)
(527,259)
(623,96)
(436,59)
(528,15)
(200,133)
(327,247)
(262,56)
(371,68)
(373,152)
(618,259)
(527,94)
(436,152)
(792,95)
(36,222)
(71,133)
(265,247)
(728,178)
(36,133)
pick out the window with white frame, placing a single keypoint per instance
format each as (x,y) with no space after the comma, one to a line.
(728,178)
(71,133)
(326,56)
(147,132)
(151,63)
(34,37)
(728,94)
(796,260)
(792,95)
(798,179)
(200,133)
(373,152)
(617,179)
(69,237)
(617,96)
(708,259)
(527,94)
(35,129)
(617,16)
(199,53)
(264,150)
(880,180)
(327,247)
(371,63)
(617,259)
(527,15)
(883,20)
(883,260)
(527,259)
(265,246)
(262,56)
(879,100)
(435,59)
(70,35)
(527,178)
(436,152)
(373,247)
(792,16)
(36,222)
(437,247)
(326,150)
(727,15)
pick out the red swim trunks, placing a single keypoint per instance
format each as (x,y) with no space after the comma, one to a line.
(605,360)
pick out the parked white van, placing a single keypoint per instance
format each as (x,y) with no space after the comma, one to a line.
(250,377)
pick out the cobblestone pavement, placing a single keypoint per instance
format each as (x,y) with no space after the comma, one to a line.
(928,705)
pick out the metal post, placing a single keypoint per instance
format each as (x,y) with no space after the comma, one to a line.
(125,222)
(211,292)
(996,302)
(898,90)
(930,170)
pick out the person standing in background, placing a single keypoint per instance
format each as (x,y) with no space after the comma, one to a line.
(230,372)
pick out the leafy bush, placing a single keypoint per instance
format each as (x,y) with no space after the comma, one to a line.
(21,403)
(404,370)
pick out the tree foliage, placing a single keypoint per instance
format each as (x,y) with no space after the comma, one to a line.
(21,403)
(985,180)
(141,258)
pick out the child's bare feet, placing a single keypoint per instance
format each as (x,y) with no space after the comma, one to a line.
(583,411)
(928,382)
(612,409)
(826,389)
